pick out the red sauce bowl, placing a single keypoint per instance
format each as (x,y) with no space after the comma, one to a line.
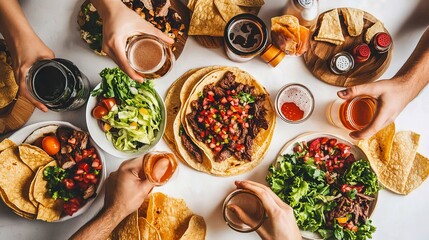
(294,103)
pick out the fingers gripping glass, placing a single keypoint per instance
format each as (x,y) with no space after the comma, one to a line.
(243,211)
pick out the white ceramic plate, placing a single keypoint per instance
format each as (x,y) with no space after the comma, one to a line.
(100,137)
(19,136)
(357,152)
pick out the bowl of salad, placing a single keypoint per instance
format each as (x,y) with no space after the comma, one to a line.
(125,118)
(329,183)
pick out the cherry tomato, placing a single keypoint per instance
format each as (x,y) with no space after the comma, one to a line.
(108,102)
(99,111)
(51,145)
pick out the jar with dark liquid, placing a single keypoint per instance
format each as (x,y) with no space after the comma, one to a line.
(58,84)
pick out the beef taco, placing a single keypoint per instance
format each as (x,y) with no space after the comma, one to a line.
(230,117)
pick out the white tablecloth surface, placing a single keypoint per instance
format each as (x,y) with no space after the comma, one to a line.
(396,217)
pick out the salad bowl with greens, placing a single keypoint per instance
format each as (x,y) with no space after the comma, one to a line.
(126,118)
(329,183)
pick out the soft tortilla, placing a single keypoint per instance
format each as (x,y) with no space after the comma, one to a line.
(233,166)
(286,33)
(33,156)
(6,143)
(330,29)
(354,20)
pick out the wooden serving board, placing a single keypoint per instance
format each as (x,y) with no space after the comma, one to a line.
(209,42)
(319,54)
(16,114)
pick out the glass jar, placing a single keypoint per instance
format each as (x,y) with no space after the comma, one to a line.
(306,11)
(149,56)
(152,161)
(245,37)
(59,84)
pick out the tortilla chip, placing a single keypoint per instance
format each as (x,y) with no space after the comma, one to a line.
(41,194)
(8,88)
(330,29)
(354,20)
(147,231)
(6,143)
(418,174)
(127,229)
(196,229)
(49,214)
(15,209)
(206,20)
(374,29)
(228,9)
(33,156)
(395,173)
(248,3)
(15,179)
(170,216)
(31,192)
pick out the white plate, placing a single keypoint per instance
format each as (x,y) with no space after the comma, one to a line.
(357,152)
(100,137)
(19,136)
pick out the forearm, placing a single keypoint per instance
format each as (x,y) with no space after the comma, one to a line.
(415,71)
(13,24)
(99,227)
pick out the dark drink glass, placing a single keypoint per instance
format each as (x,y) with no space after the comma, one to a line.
(250,204)
(58,84)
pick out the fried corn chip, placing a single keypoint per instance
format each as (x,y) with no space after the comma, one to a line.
(15,179)
(330,29)
(8,86)
(170,216)
(206,20)
(374,29)
(354,20)
(6,143)
(248,3)
(395,159)
(33,156)
(49,214)
(196,229)
(127,229)
(191,5)
(147,230)
(228,9)
(14,208)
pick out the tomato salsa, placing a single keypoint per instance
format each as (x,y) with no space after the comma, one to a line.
(291,111)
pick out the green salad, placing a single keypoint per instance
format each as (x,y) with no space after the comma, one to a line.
(129,111)
(330,191)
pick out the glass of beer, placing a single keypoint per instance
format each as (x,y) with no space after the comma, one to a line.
(353,114)
(164,160)
(246,204)
(149,56)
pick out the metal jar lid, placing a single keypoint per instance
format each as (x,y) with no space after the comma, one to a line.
(342,62)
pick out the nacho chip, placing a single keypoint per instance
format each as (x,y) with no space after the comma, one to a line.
(127,229)
(196,229)
(49,214)
(169,216)
(248,3)
(206,20)
(147,231)
(330,29)
(8,88)
(6,143)
(374,29)
(31,191)
(15,179)
(41,194)
(33,156)
(228,9)
(354,20)
(285,33)
(15,209)
(191,4)
(418,174)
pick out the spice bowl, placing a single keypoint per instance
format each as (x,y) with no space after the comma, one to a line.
(294,103)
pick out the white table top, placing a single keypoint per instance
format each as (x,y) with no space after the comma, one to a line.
(396,217)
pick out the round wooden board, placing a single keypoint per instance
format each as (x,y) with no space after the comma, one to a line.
(183,11)
(319,54)
(18,112)
(209,42)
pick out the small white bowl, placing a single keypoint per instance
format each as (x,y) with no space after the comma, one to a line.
(101,140)
(19,136)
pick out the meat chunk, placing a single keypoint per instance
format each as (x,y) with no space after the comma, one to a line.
(89,192)
(223,155)
(66,161)
(191,147)
(228,82)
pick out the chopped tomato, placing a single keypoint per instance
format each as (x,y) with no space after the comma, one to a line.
(109,103)
(99,111)
(69,183)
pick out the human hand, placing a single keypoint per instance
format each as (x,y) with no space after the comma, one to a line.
(281,223)
(392,97)
(24,54)
(120,23)
(127,188)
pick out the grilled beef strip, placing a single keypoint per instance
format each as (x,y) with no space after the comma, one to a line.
(191,147)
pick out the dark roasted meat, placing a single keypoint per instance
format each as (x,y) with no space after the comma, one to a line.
(191,147)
